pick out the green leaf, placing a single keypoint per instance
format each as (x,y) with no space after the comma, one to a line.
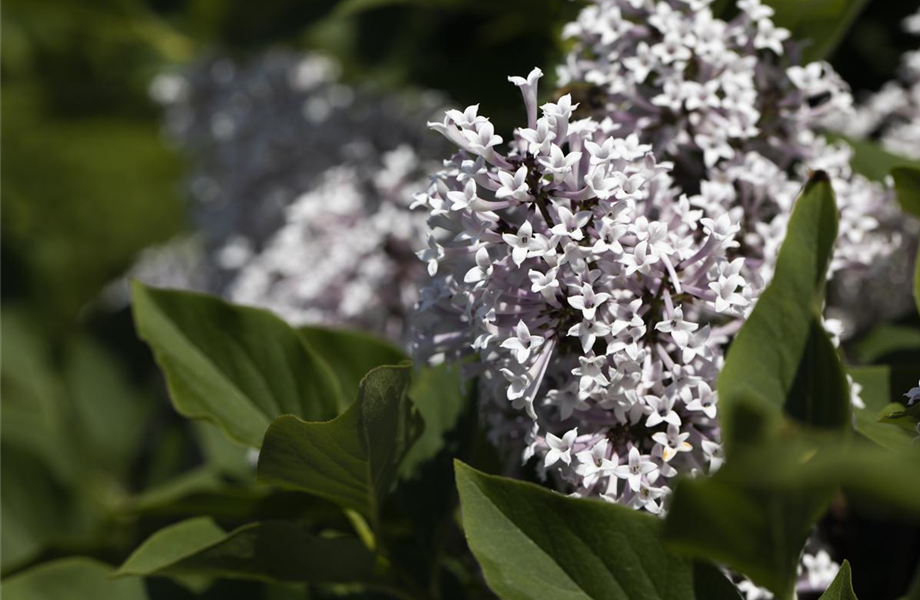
(222,454)
(869,158)
(820,395)
(37,509)
(764,360)
(109,413)
(351,354)
(907,188)
(71,579)
(757,511)
(270,551)
(816,462)
(917,280)
(172,544)
(905,417)
(438,394)
(822,22)
(875,393)
(351,460)
(759,533)
(886,339)
(534,544)
(842,586)
(239,367)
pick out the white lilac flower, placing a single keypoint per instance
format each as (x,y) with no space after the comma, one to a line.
(752,591)
(728,105)
(583,280)
(818,571)
(560,448)
(301,186)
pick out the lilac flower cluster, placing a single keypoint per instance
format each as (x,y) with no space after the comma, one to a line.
(892,115)
(345,252)
(727,103)
(300,184)
(597,297)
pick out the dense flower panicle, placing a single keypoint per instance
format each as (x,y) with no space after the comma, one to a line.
(597,296)
(345,252)
(892,115)
(300,186)
(726,101)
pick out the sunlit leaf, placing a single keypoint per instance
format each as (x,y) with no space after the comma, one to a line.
(236,366)
(272,550)
(842,586)
(765,359)
(351,460)
(533,544)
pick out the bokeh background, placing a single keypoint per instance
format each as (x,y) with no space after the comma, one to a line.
(89,443)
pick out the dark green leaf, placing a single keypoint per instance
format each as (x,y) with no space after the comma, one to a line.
(223,455)
(886,339)
(267,551)
(37,509)
(757,511)
(842,586)
(351,354)
(72,579)
(820,394)
(875,393)
(759,533)
(438,395)
(907,187)
(239,367)
(109,412)
(917,280)
(815,462)
(534,544)
(903,416)
(764,359)
(351,460)
(870,159)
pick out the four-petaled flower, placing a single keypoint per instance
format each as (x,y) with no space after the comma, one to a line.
(513,186)
(521,244)
(524,343)
(636,468)
(678,328)
(560,448)
(595,463)
(588,301)
(672,442)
